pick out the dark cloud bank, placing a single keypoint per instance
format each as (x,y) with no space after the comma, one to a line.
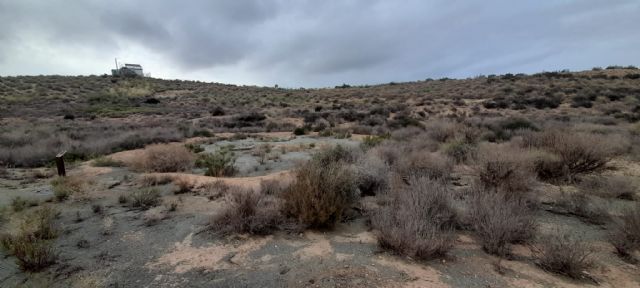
(317,43)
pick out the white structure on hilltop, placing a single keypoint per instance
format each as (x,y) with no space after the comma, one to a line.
(127,70)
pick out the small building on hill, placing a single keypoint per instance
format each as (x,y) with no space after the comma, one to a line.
(128,70)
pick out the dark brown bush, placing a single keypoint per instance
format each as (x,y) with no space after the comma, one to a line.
(249,212)
(500,220)
(165,158)
(322,190)
(503,168)
(577,152)
(419,222)
(273,186)
(625,235)
(564,254)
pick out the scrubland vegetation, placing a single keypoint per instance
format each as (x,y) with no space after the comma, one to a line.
(497,159)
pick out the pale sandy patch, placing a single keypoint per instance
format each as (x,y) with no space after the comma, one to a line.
(421,275)
(319,247)
(363,237)
(184,257)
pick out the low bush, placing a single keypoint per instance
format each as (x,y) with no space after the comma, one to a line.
(418,163)
(248,212)
(372,174)
(215,190)
(165,158)
(625,235)
(63,187)
(322,190)
(500,220)
(32,243)
(564,254)
(218,164)
(459,151)
(419,222)
(576,152)
(182,185)
(145,198)
(273,186)
(154,180)
(18,204)
(503,168)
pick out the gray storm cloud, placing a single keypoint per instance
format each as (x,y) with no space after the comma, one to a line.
(317,43)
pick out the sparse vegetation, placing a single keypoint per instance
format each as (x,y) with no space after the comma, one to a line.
(564,254)
(32,243)
(419,222)
(247,211)
(145,198)
(63,187)
(625,235)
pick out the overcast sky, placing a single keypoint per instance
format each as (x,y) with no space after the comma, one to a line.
(316,43)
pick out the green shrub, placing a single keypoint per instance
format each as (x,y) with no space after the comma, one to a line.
(145,198)
(373,140)
(299,131)
(459,151)
(219,163)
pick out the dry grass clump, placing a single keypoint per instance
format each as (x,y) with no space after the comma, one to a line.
(612,187)
(504,168)
(63,187)
(625,235)
(500,220)
(32,243)
(419,221)
(215,190)
(564,254)
(165,158)
(248,211)
(576,152)
(418,163)
(104,161)
(154,180)
(322,190)
(183,185)
(145,198)
(273,186)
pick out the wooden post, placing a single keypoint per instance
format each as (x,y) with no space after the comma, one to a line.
(60,163)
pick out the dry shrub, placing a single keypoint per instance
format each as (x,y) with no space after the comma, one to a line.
(419,221)
(589,209)
(63,187)
(500,220)
(372,174)
(564,254)
(214,190)
(459,151)
(154,180)
(145,198)
(154,216)
(273,186)
(249,212)
(32,243)
(183,185)
(441,130)
(613,187)
(625,235)
(504,168)
(322,190)
(165,158)
(421,164)
(577,152)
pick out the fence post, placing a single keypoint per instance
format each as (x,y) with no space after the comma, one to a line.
(60,163)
